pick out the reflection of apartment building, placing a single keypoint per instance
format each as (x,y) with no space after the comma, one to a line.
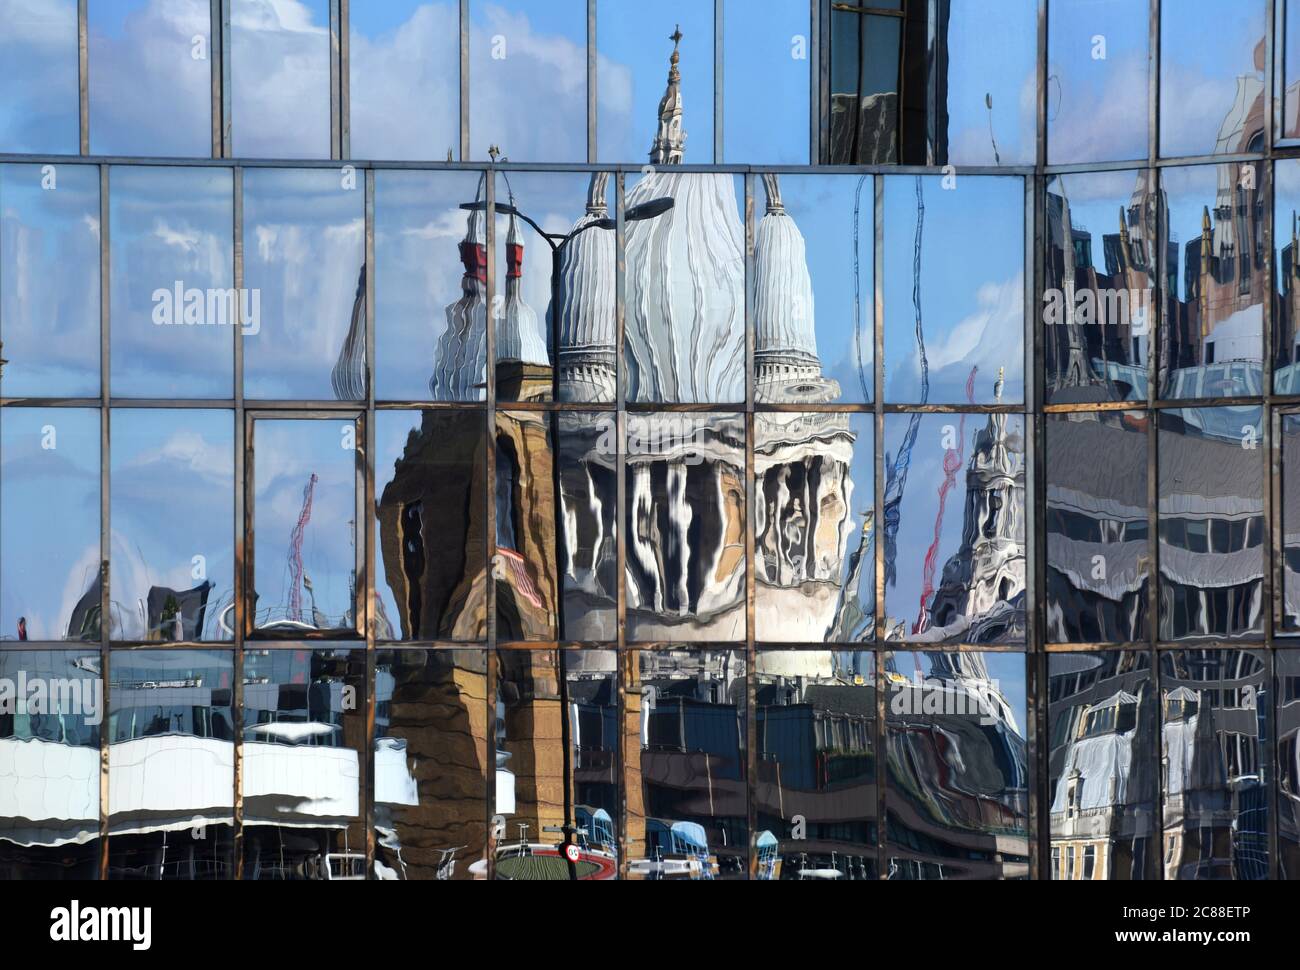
(1101,724)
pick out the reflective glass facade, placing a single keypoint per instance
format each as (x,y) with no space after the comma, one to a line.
(596,439)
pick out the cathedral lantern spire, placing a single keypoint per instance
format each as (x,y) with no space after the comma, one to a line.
(670,140)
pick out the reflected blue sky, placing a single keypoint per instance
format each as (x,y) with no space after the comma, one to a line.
(1008,669)
(289,453)
(992,50)
(49,230)
(39,110)
(767,71)
(49,517)
(172,490)
(304,245)
(972,283)
(169,227)
(150,68)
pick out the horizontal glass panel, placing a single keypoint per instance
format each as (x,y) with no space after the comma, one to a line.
(49,280)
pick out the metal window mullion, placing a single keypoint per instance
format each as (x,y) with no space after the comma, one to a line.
(750,520)
(878,477)
(83,77)
(719,58)
(1153,81)
(489,519)
(814,79)
(592,82)
(224,149)
(366,592)
(243,467)
(216,46)
(464,81)
(345,79)
(336,127)
(629,659)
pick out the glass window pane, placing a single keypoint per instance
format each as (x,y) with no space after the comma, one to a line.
(1214,732)
(1213,324)
(767,58)
(685,774)
(49,231)
(1098,547)
(1101,720)
(1097,80)
(815,783)
(430,485)
(955,488)
(171,765)
(304,267)
(430,287)
(305,756)
(172,491)
(40,99)
(49,767)
(589,506)
(552,774)
(1286,236)
(987,76)
(865,79)
(1212,77)
(813,290)
(815,528)
(1288,71)
(305,509)
(954,310)
(685,289)
(173,307)
(1290,513)
(685,521)
(1099,303)
(150,66)
(49,524)
(528,79)
(280,78)
(957,794)
(1211,523)
(430,764)
(405,72)
(650,90)
(1287,694)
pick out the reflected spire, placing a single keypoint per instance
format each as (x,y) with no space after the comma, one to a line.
(670,141)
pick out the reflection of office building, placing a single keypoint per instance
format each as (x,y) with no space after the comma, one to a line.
(1101,723)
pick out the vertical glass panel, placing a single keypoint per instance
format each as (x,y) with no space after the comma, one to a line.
(305,510)
(813,290)
(304,267)
(965,508)
(685,289)
(1290,513)
(49,765)
(1288,761)
(150,66)
(528,79)
(1212,535)
(1101,721)
(588,335)
(1214,721)
(986,76)
(1099,303)
(430,764)
(1098,546)
(430,485)
(49,231)
(814,535)
(686,527)
(684,741)
(956,796)
(39,101)
(173,305)
(589,506)
(768,68)
(1098,72)
(1212,330)
(280,78)
(954,309)
(865,77)
(557,757)
(171,765)
(49,524)
(816,765)
(172,487)
(1212,77)
(1286,298)
(304,770)
(404,65)
(430,287)
(527,526)
(1288,67)
(654,91)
